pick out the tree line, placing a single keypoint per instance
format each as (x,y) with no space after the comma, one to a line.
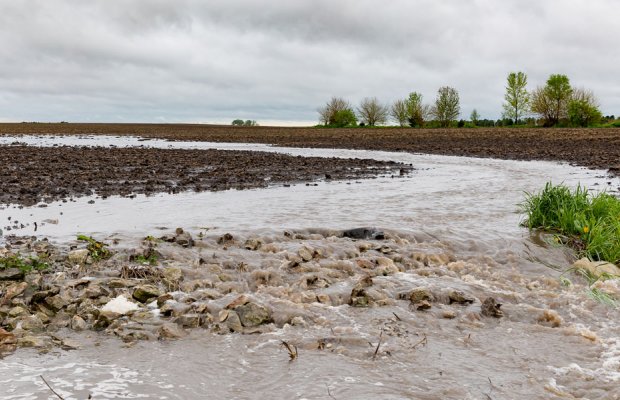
(556,103)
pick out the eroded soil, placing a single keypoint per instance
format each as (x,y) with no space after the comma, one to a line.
(594,148)
(33,174)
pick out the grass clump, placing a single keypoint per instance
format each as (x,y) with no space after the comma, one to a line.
(25,265)
(96,250)
(587,222)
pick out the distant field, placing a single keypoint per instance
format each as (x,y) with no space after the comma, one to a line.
(595,148)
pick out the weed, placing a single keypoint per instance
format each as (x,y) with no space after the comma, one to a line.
(150,260)
(589,223)
(96,250)
(23,264)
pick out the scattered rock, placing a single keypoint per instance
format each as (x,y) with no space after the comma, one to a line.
(252,314)
(77,257)
(253,244)
(597,268)
(225,239)
(491,308)
(550,318)
(306,254)
(171,331)
(78,324)
(144,293)
(183,238)
(419,294)
(359,296)
(34,341)
(32,323)
(364,233)
(422,305)
(11,274)
(457,296)
(13,291)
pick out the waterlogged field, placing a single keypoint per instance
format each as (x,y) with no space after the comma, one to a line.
(268,293)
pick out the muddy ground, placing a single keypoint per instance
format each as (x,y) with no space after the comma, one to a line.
(31,174)
(594,148)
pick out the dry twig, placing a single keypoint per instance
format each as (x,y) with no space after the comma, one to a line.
(374,356)
(50,388)
(292,350)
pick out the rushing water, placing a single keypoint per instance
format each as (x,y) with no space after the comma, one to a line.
(464,207)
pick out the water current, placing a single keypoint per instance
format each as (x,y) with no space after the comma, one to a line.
(458,215)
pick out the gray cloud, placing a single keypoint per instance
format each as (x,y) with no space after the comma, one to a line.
(189,60)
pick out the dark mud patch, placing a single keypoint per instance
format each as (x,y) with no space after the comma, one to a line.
(589,147)
(31,175)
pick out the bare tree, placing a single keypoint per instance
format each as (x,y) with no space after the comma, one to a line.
(331,108)
(447,106)
(372,112)
(399,112)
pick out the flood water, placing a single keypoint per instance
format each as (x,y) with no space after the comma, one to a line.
(458,214)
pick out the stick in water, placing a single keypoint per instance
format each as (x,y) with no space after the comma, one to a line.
(53,391)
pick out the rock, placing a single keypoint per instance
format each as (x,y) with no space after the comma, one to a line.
(40,296)
(233,322)
(171,331)
(364,233)
(183,239)
(597,268)
(422,305)
(172,276)
(190,320)
(448,314)
(78,323)
(359,296)
(77,257)
(34,341)
(420,294)
(32,323)
(11,274)
(226,239)
(161,300)
(18,311)
(457,296)
(491,308)
(253,244)
(239,301)
(56,303)
(550,318)
(7,338)
(299,321)
(13,291)
(94,291)
(104,320)
(121,283)
(306,254)
(252,314)
(144,293)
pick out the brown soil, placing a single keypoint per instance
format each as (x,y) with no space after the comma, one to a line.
(594,148)
(32,174)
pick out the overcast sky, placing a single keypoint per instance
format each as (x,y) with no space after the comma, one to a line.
(277,61)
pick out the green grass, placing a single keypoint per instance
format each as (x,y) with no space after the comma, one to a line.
(25,265)
(589,223)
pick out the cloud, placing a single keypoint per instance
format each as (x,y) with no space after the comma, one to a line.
(189,60)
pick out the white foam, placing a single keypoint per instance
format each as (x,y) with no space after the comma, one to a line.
(120,305)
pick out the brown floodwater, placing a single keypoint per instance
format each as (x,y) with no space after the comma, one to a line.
(453,222)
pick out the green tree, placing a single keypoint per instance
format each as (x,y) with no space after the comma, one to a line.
(583,108)
(474,117)
(343,118)
(447,106)
(238,122)
(417,112)
(517,98)
(551,101)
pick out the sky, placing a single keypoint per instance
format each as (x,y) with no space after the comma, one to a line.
(276,62)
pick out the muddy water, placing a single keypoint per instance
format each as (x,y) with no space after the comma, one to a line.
(452,226)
